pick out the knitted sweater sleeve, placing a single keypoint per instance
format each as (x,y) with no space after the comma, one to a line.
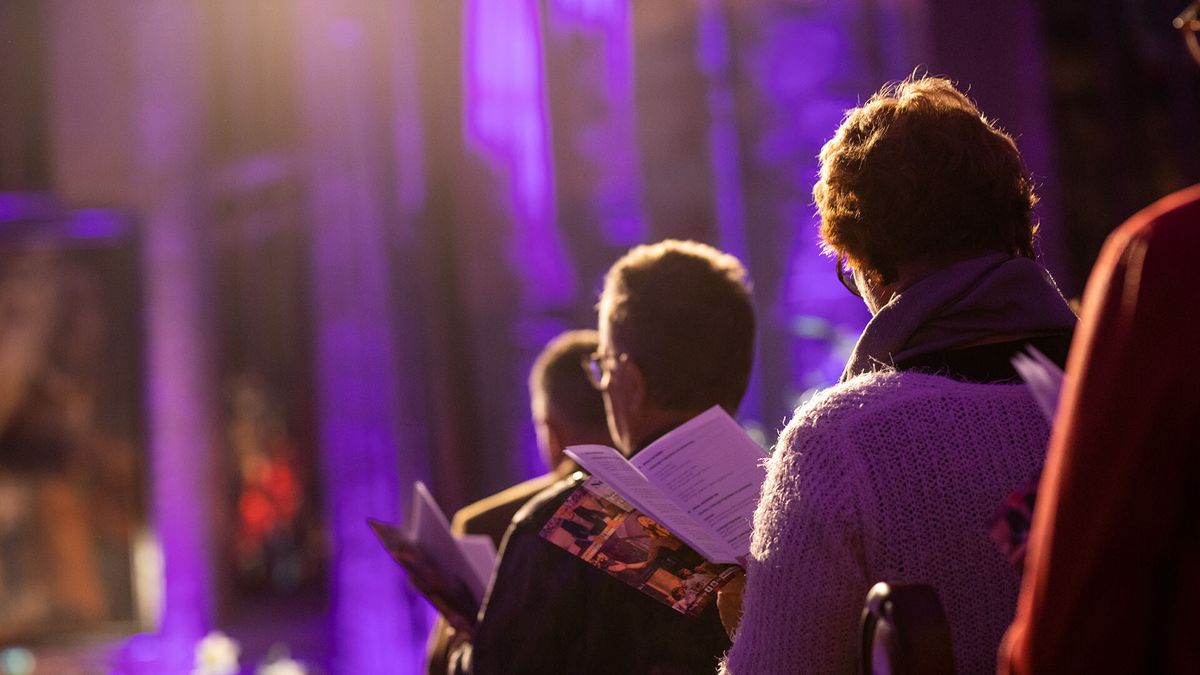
(805,581)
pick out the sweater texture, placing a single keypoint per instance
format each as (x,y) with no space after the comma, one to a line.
(888,476)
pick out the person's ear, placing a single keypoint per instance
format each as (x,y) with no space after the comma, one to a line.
(633,382)
(554,443)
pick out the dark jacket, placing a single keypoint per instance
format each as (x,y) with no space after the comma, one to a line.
(490,516)
(550,612)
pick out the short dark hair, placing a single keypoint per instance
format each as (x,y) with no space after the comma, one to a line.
(918,174)
(558,379)
(681,311)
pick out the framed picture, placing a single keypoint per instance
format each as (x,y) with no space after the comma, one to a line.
(72,451)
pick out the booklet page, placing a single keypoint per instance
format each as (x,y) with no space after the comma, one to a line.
(480,553)
(611,467)
(602,529)
(713,470)
(431,529)
(449,592)
(1044,377)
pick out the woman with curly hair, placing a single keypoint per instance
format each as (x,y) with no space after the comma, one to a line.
(894,473)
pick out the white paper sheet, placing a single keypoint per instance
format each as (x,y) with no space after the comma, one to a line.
(702,481)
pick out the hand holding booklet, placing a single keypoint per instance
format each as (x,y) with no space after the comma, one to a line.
(673,522)
(451,571)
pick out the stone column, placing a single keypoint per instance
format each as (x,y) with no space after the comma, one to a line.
(590,99)
(793,70)
(23,118)
(517,289)
(170,79)
(346,97)
(673,121)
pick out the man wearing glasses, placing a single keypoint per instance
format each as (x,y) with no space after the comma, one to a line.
(676,338)
(566,410)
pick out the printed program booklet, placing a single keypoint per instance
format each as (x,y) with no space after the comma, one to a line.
(451,571)
(1044,377)
(673,522)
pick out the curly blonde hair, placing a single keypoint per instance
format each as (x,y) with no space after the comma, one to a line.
(918,174)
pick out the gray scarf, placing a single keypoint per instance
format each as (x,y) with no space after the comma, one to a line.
(966,303)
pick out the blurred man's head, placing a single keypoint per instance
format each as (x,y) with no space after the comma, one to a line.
(676,337)
(567,409)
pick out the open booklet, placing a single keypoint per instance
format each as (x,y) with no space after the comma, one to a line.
(451,571)
(675,520)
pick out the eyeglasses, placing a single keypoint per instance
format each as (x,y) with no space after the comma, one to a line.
(846,276)
(593,365)
(1188,22)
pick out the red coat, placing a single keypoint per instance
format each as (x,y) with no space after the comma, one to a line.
(1112,579)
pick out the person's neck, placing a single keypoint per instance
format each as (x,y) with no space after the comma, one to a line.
(908,274)
(655,424)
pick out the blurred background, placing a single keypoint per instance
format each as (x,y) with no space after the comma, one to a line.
(265,263)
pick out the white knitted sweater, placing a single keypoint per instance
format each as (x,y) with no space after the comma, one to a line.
(886,477)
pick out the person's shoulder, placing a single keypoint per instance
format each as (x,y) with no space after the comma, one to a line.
(491,515)
(1170,221)
(886,386)
(823,419)
(538,509)
(869,397)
